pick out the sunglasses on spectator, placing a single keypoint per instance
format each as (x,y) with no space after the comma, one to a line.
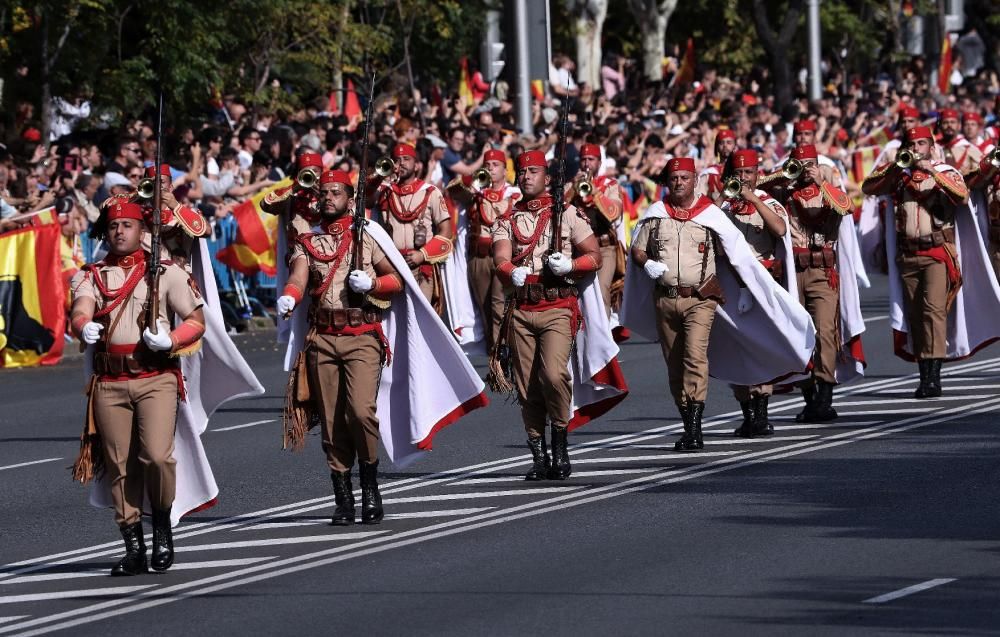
(135,176)
(134,149)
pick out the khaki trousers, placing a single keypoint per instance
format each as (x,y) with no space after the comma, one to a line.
(344,373)
(605,276)
(136,420)
(684,326)
(487,292)
(541,344)
(823,304)
(743,393)
(925,293)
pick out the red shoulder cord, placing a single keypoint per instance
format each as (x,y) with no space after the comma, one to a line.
(395,202)
(532,241)
(335,259)
(117,296)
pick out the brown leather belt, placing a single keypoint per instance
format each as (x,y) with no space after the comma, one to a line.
(605,240)
(536,293)
(933,240)
(141,362)
(675,291)
(345,317)
(481,247)
(808,258)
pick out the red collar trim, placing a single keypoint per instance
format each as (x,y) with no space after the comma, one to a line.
(126,260)
(408,189)
(534,205)
(338,225)
(686,214)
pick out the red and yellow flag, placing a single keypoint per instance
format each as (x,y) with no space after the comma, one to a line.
(685,74)
(464,81)
(255,248)
(32,297)
(944,67)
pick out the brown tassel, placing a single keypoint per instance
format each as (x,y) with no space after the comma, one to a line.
(617,293)
(90,460)
(297,415)
(497,379)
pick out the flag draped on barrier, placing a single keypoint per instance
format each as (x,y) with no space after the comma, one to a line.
(32,297)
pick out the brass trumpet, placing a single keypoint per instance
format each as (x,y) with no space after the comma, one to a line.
(733,187)
(147,188)
(481,179)
(792,169)
(307,177)
(584,188)
(993,157)
(384,166)
(906,158)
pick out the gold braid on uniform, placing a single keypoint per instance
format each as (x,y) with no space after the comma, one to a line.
(768,178)
(952,181)
(835,198)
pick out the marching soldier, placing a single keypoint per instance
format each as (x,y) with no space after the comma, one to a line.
(804,134)
(906,118)
(925,194)
(710,179)
(133,394)
(417,217)
(346,346)
(297,204)
(959,152)
(485,206)
(541,323)
(600,198)
(761,220)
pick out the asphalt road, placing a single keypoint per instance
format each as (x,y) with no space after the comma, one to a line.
(885,521)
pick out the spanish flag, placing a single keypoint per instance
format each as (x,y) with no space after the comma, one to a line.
(255,248)
(944,68)
(685,74)
(465,81)
(32,297)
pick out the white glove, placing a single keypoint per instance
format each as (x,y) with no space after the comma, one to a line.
(654,269)
(745,304)
(560,264)
(159,342)
(285,305)
(360,281)
(91,332)
(519,276)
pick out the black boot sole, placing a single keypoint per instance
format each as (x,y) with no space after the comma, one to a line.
(374,520)
(343,520)
(143,569)
(160,568)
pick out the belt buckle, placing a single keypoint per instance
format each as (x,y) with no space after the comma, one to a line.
(672,292)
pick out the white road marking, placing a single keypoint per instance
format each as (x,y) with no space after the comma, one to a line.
(783,425)
(731,439)
(4,620)
(468,481)
(249,424)
(103,572)
(447,513)
(664,458)
(613,472)
(25,464)
(919,401)
(282,525)
(966,370)
(947,389)
(83,592)
(876,319)
(245,561)
(325,557)
(909,590)
(278,541)
(481,494)
(879,412)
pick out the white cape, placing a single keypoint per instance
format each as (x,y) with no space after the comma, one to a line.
(972,320)
(774,339)
(430,383)
(214,375)
(463,315)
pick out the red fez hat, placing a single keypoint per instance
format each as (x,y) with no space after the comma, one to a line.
(404,150)
(745,158)
(724,133)
(151,171)
(590,150)
(919,132)
(495,155)
(335,177)
(680,164)
(309,160)
(972,116)
(805,151)
(947,113)
(905,110)
(124,210)
(531,158)
(804,125)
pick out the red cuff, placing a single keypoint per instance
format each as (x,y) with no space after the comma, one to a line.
(77,323)
(437,249)
(504,270)
(387,285)
(293,291)
(186,334)
(585,263)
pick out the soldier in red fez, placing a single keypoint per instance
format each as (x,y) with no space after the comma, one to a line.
(972,130)
(128,438)
(959,152)
(417,216)
(603,205)
(298,203)
(346,347)
(710,179)
(804,134)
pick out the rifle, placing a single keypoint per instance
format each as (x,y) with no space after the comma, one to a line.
(357,261)
(558,183)
(153,269)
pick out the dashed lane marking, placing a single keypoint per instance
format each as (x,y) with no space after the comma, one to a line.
(909,590)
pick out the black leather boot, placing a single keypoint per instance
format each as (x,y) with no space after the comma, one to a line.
(746,428)
(561,468)
(695,411)
(688,441)
(761,425)
(134,562)
(343,495)
(934,378)
(371,499)
(809,395)
(163,542)
(541,465)
(823,410)
(922,389)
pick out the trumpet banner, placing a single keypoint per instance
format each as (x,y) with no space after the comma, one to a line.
(32,297)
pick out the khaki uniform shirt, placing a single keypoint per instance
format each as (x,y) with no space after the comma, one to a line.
(494,205)
(336,295)
(179,296)
(920,211)
(812,222)
(522,223)
(685,247)
(963,155)
(746,218)
(412,235)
